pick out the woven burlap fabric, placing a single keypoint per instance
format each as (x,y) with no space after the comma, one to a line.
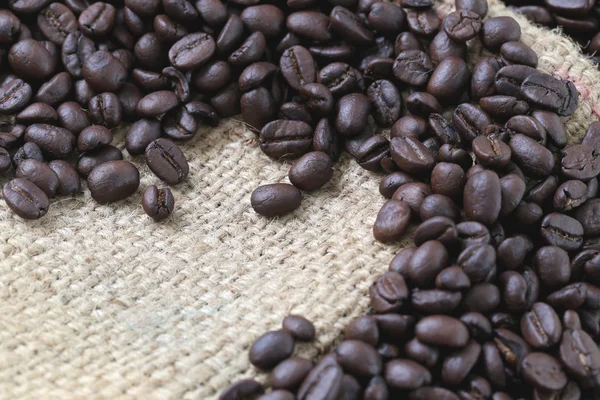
(98,301)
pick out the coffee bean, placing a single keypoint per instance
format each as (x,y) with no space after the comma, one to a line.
(325,139)
(98,19)
(450,77)
(548,92)
(10,27)
(543,190)
(359,358)
(407,41)
(503,106)
(479,7)
(192,51)
(55,142)
(387,102)
(411,155)
(325,379)
(37,113)
(409,125)
(72,117)
(311,25)
(166,160)
(423,104)
(483,77)
(374,154)
(25,199)
(39,174)
(339,77)
(56,90)
(364,329)
(423,22)
(103,72)
(290,373)
(438,205)
(29,49)
(432,392)
(265,18)
(534,158)
(413,67)
(113,181)
(562,231)
(227,101)
(498,30)
(318,99)
(295,112)
(581,162)
(543,371)
(311,171)
(271,348)
(352,112)
(406,375)
(442,229)
(285,139)
(14,96)
(141,134)
(512,348)
(435,301)
(68,181)
(457,365)
(541,327)
(442,46)
(158,203)
(376,389)
(462,25)
(275,199)
(413,193)
(392,221)
(569,195)
(588,217)
(390,183)
(482,197)
(441,330)
(508,80)
(297,67)
(388,293)
(93,137)
(347,25)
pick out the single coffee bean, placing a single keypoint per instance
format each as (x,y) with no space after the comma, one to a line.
(149,81)
(388,293)
(448,179)
(129,97)
(441,330)
(168,30)
(270,349)
(513,349)
(158,203)
(531,156)
(581,162)
(294,111)
(442,46)
(286,139)
(14,96)
(76,48)
(245,388)
(569,195)
(203,113)
(528,126)
(462,25)
(484,77)
(472,233)
(413,67)
(157,103)
(25,199)
(512,190)
(318,99)
(423,22)
(387,102)
(442,229)
(54,142)
(553,266)
(411,155)
(407,41)
(528,213)
(508,80)
(391,182)
(10,27)
(543,372)
(498,30)
(363,328)
(258,107)
(290,373)
(140,134)
(105,109)
(482,197)
(432,392)
(376,389)
(518,53)
(251,77)
(452,278)
(392,221)
(386,18)
(23,51)
(423,104)
(471,121)
(338,52)
(562,231)
(426,263)
(39,174)
(166,160)
(56,90)
(311,171)
(512,252)
(406,374)
(409,125)
(449,78)
(98,19)
(179,83)
(502,107)
(299,327)
(192,51)
(541,327)
(69,183)
(113,181)
(275,199)
(458,364)
(340,78)
(297,67)
(543,190)
(478,262)
(352,113)
(588,217)
(444,130)
(311,25)
(435,301)
(548,92)
(37,113)
(347,25)
(479,7)
(227,101)
(93,137)
(373,153)
(326,140)
(553,126)
(72,117)
(438,205)
(326,377)
(104,72)
(413,193)
(359,358)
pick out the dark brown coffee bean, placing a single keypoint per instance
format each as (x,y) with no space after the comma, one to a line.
(407,41)
(442,229)
(452,278)
(311,171)
(55,142)
(231,35)
(457,365)
(462,25)
(297,67)
(22,52)
(98,19)
(432,392)
(359,358)
(299,327)
(149,81)
(141,134)
(352,112)
(340,78)
(553,125)
(265,18)
(423,104)
(548,92)
(93,137)
(484,77)
(311,25)
(543,372)
(588,217)
(438,205)
(562,231)
(158,203)
(329,53)
(512,348)
(435,301)
(68,181)
(168,30)
(449,78)
(72,117)
(442,46)
(25,199)
(29,151)
(270,349)
(401,262)
(347,25)
(512,190)
(5,161)
(373,152)
(325,380)
(113,181)
(508,80)
(390,183)
(105,109)
(426,263)
(553,266)
(10,27)
(166,160)
(503,106)
(386,18)
(245,388)
(363,328)
(57,21)
(37,113)
(411,155)
(251,77)
(392,221)
(192,51)
(388,293)
(387,102)
(325,139)
(104,72)
(528,213)
(376,389)
(543,190)
(448,179)
(39,174)
(478,262)
(251,50)
(531,156)
(413,67)
(499,30)
(569,195)
(479,7)
(286,139)
(275,199)
(406,374)
(318,99)
(290,373)
(227,101)
(413,194)
(541,327)
(423,22)
(518,53)
(441,330)
(56,90)
(482,197)
(471,233)
(581,162)
(258,107)
(444,130)
(409,125)
(14,96)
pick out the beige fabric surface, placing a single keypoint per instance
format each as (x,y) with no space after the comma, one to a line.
(101,302)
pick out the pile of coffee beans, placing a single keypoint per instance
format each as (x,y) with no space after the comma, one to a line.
(498,298)
(578,18)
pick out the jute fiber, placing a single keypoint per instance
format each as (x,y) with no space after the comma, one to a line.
(99,302)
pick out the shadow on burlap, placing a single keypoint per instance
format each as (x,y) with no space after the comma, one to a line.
(101,302)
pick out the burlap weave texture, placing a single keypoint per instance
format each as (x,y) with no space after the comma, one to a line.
(101,302)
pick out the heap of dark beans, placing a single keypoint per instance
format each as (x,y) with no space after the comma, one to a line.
(498,298)
(578,18)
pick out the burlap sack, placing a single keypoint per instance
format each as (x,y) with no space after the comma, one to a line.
(101,302)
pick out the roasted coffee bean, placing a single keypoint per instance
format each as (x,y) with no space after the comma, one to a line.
(129,97)
(311,171)
(271,348)
(295,112)
(98,19)
(541,327)
(376,389)
(325,139)
(482,197)
(471,121)
(392,221)
(285,139)
(406,374)
(72,117)
(388,293)
(290,373)
(203,112)
(363,328)
(562,231)
(444,130)
(56,90)
(113,181)
(499,30)
(423,22)
(518,53)
(401,262)
(413,67)
(179,83)
(435,301)
(438,205)
(548,92)
(386,18)
(390,183)
(251,77)
(581,162)
(150,53)
(311,25)
(347,25)
(166,160)
(588,217)
(5,161)
(386,101)
(423,104)
(413,193)
(407,41)
(297,67)
(39,174)
(37,113)
(192,51)
(543,372)
(318,99)
(358,358)
(10,27)
(14,96)
(68,181)
(503,106)
(325,378)
(508,80)
(441,330)
(265,18)
(484,76)
(411,155)
(55,142)
(340,78)
(25,199)
(103,71)
(492,153)
(531,156)
(141,134)
(23,51)
(472,233)
(57,21)
(462,25)
(528,213)
(442,46)
(409,125)
(89,160)
(457,365)
(258,107)
(553,126)
(373,153)
(482,298)
(427,262)
(168,30)
(478,262)
(158,203)
(179,124)
(352,112)
(440,228)
(299,327)
(569,195)
(512,190)
(543,190)
(479,7)
(105,109)
(227,101)
(449,78)
(149,81)
(452,278)
(394,327)
(514,290)
(448,179)
(26,152)
(275,199)
(528,126)
(512,348)
(93,137)
(329,53)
